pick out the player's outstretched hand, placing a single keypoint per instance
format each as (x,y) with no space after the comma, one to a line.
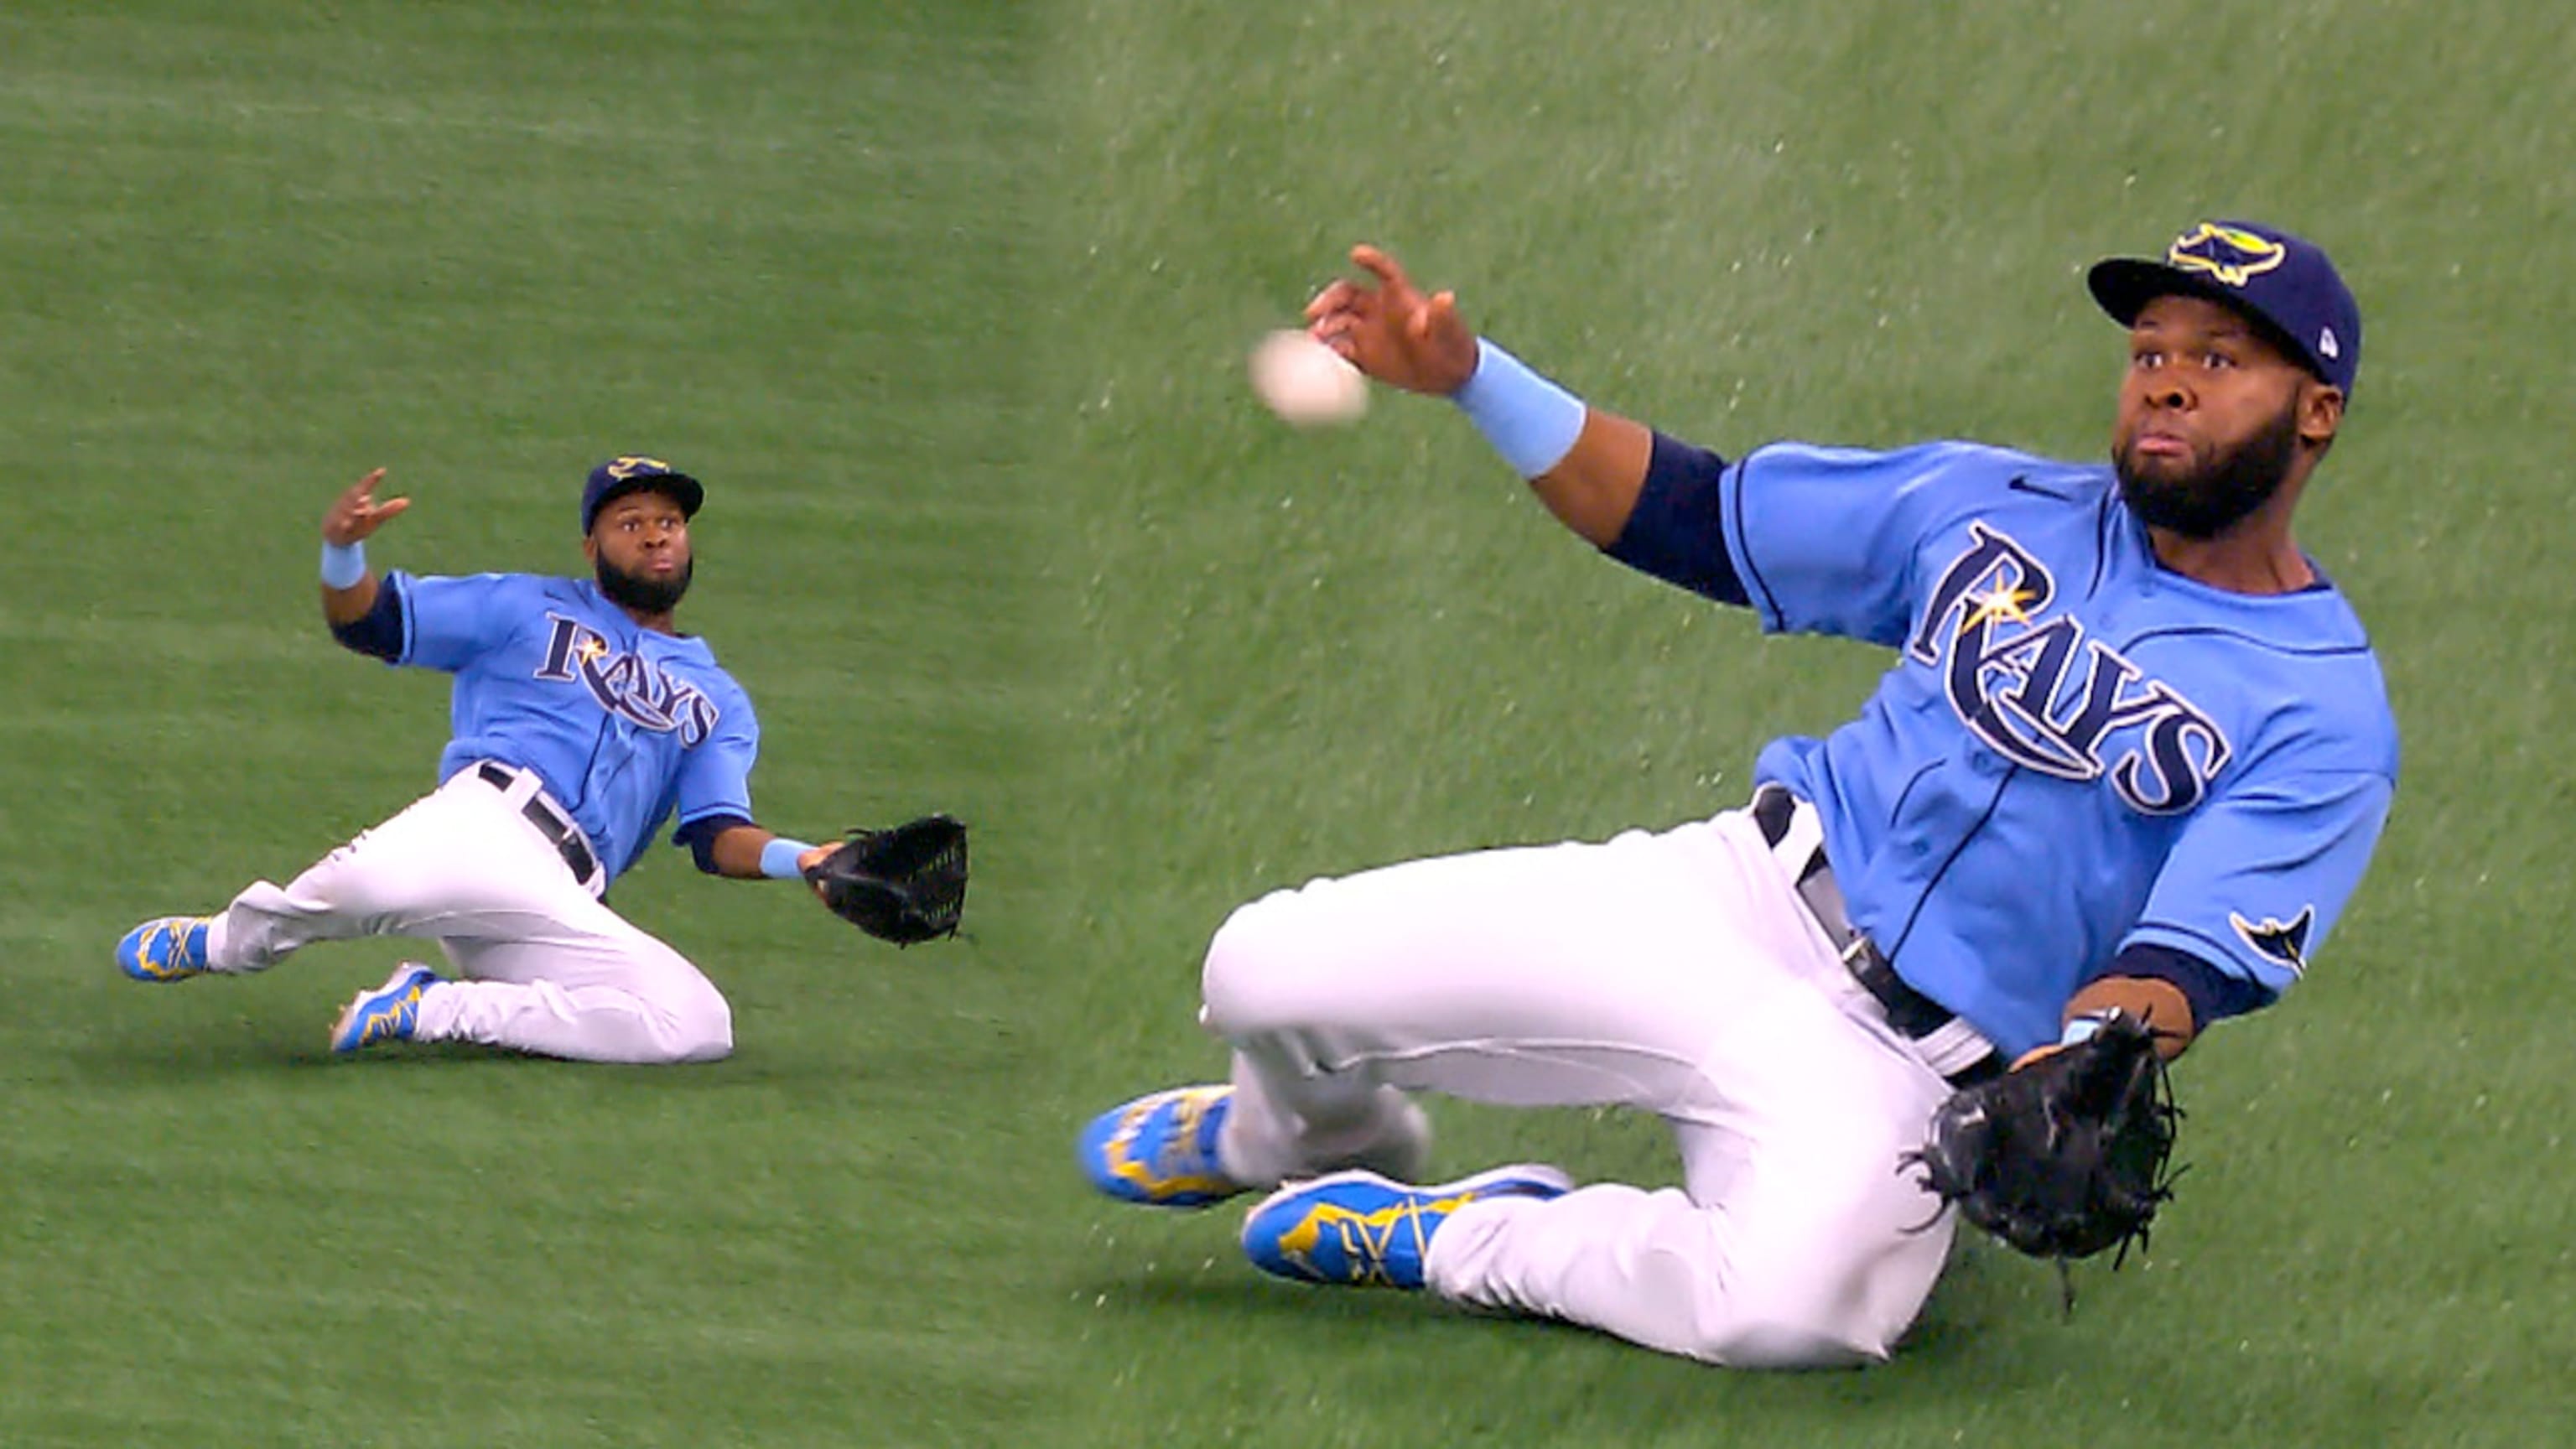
(355,514)
(1391,331)
(805,866)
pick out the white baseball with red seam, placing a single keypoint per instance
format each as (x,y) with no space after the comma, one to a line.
(1306,383)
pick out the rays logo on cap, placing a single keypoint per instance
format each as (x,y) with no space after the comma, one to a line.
(633,466)
(2231,255)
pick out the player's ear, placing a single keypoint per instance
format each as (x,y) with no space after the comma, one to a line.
(590,549)
(2320,413)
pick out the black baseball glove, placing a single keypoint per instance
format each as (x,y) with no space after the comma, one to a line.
(902,885)
(2065,1155)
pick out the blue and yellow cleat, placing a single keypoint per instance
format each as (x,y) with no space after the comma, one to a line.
(166,948)
(1357,1229)
(387,1013)
(1160,1149)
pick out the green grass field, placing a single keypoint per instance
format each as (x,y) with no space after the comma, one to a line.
(947,303)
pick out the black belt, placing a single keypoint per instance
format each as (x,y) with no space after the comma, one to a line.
(1912,1013)
(551,823)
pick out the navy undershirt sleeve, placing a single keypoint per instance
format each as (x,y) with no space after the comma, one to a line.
(2214,994)
(699,836)
(1675,532)
(379,631)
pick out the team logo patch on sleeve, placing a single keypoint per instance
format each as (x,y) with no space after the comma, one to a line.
(2275,941)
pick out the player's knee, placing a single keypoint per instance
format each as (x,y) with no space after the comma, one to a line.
(709,1042)
(1241,981)
(1781,1342)
(699,1029)
(1785,1321)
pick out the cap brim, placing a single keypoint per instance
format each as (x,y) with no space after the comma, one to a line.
(688,492)
(2125,285)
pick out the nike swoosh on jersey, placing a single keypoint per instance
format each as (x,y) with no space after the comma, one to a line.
(2019,484)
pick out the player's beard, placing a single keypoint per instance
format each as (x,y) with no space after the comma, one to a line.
(2205,497)
(639,594)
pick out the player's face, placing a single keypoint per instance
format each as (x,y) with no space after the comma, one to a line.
(2213,419)
(639,546)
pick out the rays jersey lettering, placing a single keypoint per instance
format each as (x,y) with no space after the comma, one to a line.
(626,685)
(2047,697)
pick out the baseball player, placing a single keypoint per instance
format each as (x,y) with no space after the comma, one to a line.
(2130,758)
(583,720)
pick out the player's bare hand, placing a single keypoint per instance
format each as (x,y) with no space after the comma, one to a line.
(813,858)
(356,514)
(1391,331)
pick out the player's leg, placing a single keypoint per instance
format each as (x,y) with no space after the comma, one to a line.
(1675,973)
(446,853)
(349,893)
(1796,1241)
(1562,974)
(566,976)
(581,983)
(545,968)
(1574,974)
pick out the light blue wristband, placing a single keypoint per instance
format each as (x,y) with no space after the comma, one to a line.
(343,564)
(2084,1028)
(1531,421)
(778,858)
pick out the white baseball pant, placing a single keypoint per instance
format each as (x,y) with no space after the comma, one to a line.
(544,966)
(1674,972)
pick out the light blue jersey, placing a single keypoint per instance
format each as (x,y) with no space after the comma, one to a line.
(2077,750)
(625,725)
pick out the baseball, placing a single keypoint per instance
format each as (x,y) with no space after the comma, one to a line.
(1306,383)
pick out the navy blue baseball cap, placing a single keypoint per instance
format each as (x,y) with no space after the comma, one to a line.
(619,476)
(2280,281)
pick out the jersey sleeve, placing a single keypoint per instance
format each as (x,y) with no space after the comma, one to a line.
(1676,530)
(715,773)
(448,621)
(1824,538)
(2260,875)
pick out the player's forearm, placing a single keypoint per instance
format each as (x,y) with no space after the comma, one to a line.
(1595,488)
(343,607)
(348,585)
(2158,1003)
(736,852)
(1586,464)
(753,852)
